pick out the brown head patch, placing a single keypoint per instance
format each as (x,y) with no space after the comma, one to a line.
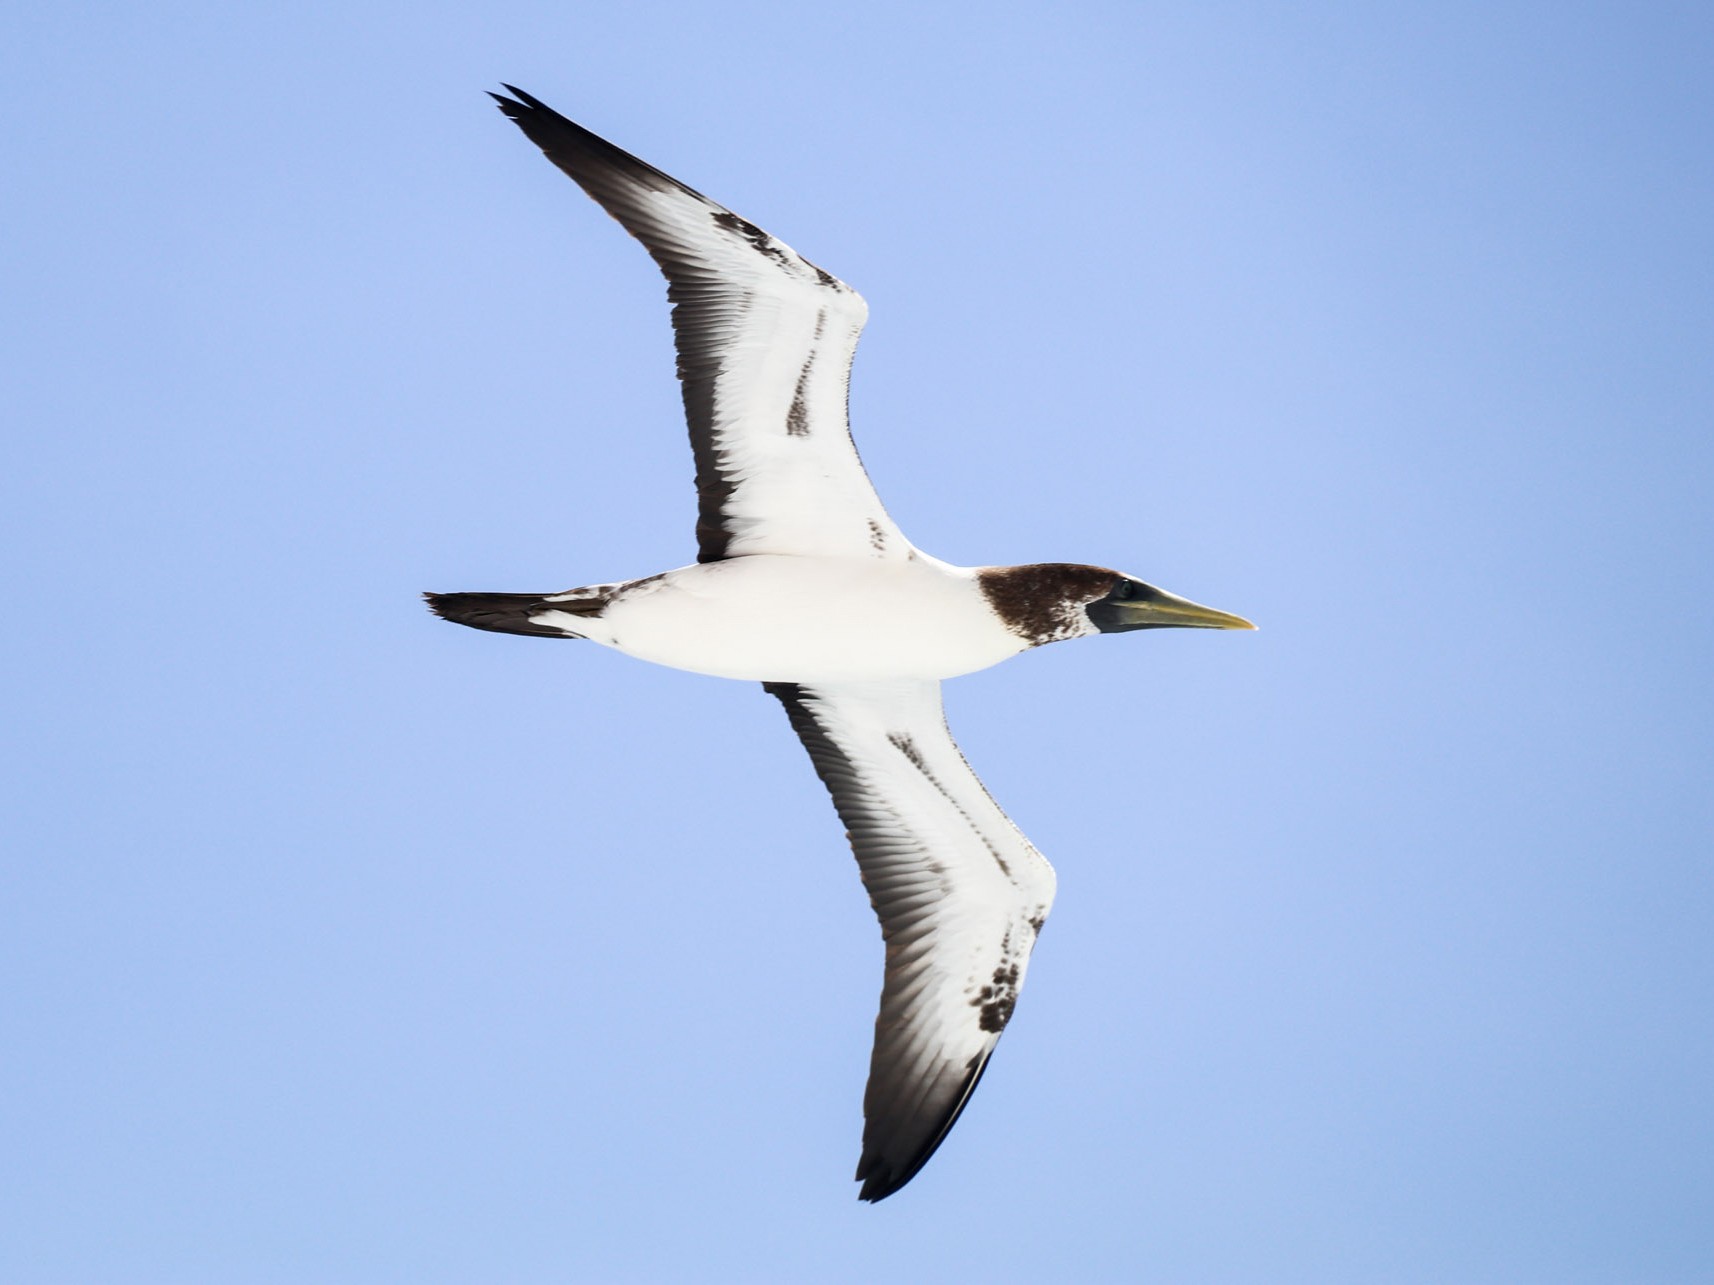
(1042,602)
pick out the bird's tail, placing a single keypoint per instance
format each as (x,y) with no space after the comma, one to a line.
(519,613)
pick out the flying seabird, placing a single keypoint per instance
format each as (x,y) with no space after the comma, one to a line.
(804,584)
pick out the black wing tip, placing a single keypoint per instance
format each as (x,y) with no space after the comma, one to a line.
(530,113)
(874,1189)
(519,99)
(571,147)
(881,1177)
(523,109)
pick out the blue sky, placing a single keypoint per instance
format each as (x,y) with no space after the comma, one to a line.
(342,945)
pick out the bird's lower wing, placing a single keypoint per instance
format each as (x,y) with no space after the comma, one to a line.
(960,894)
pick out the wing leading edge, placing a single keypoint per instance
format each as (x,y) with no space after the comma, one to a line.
(959,891)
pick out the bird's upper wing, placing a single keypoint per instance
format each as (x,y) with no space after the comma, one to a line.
(765,341)
(960,894)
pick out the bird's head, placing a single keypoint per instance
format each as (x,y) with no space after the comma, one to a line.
(1049,601)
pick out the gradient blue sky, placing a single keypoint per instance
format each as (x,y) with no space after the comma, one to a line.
(342,945)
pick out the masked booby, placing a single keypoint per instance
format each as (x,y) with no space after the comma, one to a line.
(803,583)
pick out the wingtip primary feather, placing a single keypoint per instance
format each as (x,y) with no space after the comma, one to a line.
(521,104)
(881,1178)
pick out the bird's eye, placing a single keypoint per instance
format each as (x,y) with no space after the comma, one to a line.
(1124,589)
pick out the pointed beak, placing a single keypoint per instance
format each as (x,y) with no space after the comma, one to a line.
(1167,611)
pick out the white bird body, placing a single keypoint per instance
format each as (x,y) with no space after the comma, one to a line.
(772,618)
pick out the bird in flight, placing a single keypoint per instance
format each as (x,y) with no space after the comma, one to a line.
(804,584)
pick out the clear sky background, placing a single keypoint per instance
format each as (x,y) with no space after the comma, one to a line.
(343,945)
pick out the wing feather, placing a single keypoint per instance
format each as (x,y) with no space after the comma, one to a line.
(960,894)
(765,341)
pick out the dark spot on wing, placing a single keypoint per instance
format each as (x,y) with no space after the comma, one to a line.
(1044,601)
(755,236)
(1036,921)
(877,537)
(998,998)
(908,747)
(775,251)
(995,1015)
(631,586)
(797,418)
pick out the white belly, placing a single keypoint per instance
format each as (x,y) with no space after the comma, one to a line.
(785,619)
